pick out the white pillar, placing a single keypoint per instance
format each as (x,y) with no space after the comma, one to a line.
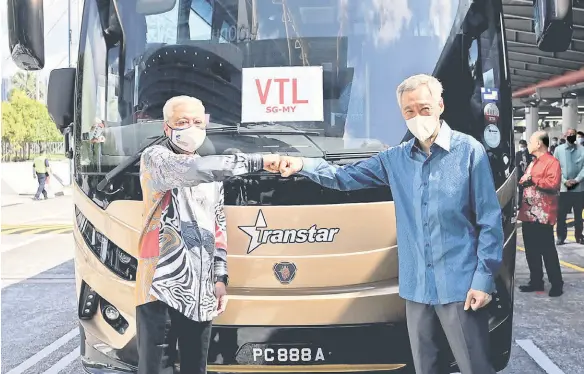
(569,114)
(531,121)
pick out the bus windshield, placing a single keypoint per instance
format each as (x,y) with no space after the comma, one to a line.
(361,49)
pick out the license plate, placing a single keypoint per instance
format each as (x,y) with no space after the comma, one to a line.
(284,354)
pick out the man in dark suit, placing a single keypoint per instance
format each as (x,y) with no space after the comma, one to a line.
(522,159)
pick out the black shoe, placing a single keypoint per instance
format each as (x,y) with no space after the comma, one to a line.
(560,242)
(580,240)
(530,288)
(556,291)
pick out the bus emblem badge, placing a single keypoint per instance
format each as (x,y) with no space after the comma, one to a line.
(285,272)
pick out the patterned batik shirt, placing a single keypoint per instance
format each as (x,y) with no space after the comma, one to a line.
(183,245)
(540,201)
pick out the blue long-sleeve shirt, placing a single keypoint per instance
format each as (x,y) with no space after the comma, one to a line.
(449,225)
(571,157)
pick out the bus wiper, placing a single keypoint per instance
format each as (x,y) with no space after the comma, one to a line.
(122,166)
(244,130)
(339,156)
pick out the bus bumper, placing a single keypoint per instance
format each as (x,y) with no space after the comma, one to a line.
(356,348)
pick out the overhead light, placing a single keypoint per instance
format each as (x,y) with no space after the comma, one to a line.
(544,112)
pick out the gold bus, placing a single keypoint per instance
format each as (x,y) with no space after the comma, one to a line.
(313,272)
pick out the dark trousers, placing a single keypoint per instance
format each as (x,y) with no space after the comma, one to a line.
(569,201)
(153,343)
(467,333)
(42,178)
(539,243)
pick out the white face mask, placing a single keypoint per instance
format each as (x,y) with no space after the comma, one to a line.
(423,127)
(580,140)
(189,139)
(522,149)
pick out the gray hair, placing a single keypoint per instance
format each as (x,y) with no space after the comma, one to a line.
(415,81)
(168,109)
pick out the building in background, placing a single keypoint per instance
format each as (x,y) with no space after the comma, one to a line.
(6,86)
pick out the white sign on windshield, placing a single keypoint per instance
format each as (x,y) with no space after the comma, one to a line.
(282,94)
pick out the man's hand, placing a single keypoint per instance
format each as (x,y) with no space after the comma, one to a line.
(571,182)
(290,165)
(221,294)
(476,299)
(527,181)
(271,163)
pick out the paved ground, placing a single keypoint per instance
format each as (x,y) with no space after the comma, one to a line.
(39,310)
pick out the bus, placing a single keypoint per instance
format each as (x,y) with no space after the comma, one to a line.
(313,272)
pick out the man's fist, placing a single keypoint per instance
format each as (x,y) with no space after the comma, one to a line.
(272,163)
(290,165)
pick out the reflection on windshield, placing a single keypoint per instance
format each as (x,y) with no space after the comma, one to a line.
(199,48)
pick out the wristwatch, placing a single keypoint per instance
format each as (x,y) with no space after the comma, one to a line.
(222,278)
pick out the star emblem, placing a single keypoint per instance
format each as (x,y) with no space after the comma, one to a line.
(254,233)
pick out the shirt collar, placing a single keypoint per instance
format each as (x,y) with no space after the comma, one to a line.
(442,139)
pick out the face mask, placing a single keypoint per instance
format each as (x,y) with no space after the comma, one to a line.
(571,138)
(522,149)
(554,142)
(423,127)
(580,140)
(189,139)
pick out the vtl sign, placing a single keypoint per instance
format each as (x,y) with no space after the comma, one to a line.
(281,94)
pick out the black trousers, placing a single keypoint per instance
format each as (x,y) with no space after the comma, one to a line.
(539,243)
(153,340)
(569,201)
(42,178)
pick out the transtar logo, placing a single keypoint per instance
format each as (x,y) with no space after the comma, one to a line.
(259,234)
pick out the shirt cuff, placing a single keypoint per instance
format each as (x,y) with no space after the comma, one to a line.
(255,162)
(482,282)
(220,268)
(309,165)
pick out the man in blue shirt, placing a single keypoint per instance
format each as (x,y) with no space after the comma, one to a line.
(449,226)
(571,157)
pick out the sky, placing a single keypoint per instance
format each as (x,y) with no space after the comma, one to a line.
(55,24)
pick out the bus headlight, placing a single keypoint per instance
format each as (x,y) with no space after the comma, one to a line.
(111,313)
(113,257)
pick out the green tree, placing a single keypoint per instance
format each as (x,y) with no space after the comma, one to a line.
(26,81)
(25,120)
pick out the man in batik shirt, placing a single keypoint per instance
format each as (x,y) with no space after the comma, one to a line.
(538,213)
(182,262)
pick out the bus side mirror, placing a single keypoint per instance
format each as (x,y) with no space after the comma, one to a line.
(26,33)
(61,97)
(553,24)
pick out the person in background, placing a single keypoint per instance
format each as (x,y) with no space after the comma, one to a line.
(428,191)
(182,253)
(522,160)
(580,137)
(562,141)
(554,144)
(541,184)
(571,158)
(41,171)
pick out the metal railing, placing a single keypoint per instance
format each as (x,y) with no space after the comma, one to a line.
(28,151)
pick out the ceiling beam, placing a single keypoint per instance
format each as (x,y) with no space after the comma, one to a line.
(551,61)
(531,35)
(570,56)
(531,74)
(515,64)
(530,81)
